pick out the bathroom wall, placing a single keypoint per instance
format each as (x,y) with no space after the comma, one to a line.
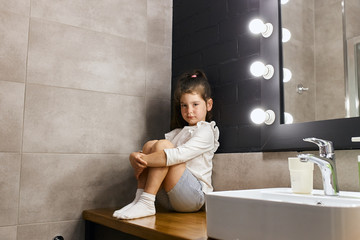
(82,85)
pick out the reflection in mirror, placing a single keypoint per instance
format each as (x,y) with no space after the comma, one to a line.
(320,42)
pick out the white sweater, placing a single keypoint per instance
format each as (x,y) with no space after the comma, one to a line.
(196,146)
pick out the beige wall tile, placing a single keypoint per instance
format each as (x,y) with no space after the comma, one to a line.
(9,190)
(11,115)
(21,7)
(348,170)
(159,24)
(65,56)
(232,171)
(70,230)
(73,121)
(13,50)
(121,17)
(158,74)
(8,233)
(352,9)
(58,187)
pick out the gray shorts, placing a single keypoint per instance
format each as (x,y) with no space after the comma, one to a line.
(187,194)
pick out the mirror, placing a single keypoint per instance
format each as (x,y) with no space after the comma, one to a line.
(323,57)
(288,137)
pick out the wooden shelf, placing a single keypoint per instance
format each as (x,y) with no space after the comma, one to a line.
(167,225)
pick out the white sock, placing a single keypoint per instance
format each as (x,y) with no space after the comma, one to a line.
(143,208)
(117,213)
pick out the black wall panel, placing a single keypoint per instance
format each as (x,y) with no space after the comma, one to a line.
(213,35)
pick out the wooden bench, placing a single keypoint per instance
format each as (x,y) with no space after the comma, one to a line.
(164,225)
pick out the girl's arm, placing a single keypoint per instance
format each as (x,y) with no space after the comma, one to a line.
(203,140)
(139,161)
(156,159)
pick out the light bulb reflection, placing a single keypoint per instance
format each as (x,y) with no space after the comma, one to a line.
(287,75)
(286,35)
(288,118)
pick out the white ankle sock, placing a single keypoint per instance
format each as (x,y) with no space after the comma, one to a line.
(144,207)
(117,213)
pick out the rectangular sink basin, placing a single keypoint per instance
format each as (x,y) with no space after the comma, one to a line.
(279,214)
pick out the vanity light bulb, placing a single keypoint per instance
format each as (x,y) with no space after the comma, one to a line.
(286,35)
(259,69)
(257,26)
(258,116)
(287,75)
(284,1)
(289,119)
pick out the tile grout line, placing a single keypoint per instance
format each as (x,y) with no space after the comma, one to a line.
(23,119)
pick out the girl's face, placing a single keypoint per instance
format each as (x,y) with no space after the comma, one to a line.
(194,108)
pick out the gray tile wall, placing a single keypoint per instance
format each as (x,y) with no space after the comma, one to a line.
(81,86)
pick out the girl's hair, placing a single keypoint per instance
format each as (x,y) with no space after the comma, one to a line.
(194,81)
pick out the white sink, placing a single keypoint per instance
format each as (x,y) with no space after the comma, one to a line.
(279,214)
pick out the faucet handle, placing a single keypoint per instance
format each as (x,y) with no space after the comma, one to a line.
(326,148)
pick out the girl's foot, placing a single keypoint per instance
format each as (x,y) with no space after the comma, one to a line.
(144,207)
(118,213)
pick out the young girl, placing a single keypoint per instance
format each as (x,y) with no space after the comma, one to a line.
(182,162)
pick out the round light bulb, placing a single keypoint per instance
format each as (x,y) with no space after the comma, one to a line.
(257,26)
(288,118)
(287,75)
(257,68)
(284,1)
(286,35)
(258,116)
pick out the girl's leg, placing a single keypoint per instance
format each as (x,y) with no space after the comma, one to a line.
(168,176)
(147,148)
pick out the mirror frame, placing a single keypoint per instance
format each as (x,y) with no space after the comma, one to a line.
(288,137)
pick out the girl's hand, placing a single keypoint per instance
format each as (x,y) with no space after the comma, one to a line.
(137,163)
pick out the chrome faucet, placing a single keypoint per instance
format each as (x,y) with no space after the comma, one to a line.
(326,163)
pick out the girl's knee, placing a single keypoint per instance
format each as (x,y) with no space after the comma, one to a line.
(148,146)
(162,144)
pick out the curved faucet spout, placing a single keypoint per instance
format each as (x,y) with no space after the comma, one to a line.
(328,172)
(326,148)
